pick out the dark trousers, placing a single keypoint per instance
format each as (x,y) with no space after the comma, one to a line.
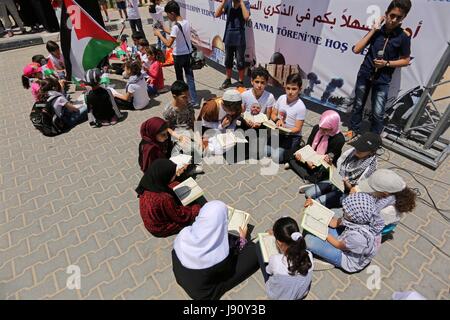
(183,62)
(136,26)
(246,265)
(125,105)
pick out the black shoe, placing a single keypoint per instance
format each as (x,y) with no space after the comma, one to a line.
(239,84)
(226,84)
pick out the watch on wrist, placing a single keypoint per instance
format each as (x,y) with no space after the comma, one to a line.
(388,64)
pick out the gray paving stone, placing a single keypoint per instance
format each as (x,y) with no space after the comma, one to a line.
(146,248)
(436,228)
(23,262)
(400,279)
(63,275)
(146,290)
(250,290)
(25,280)
(143,271)
(6,272)
(50,266)
(413,260)
(69,240)
(106,253)
(175,292)
(4,242)
(118,285)
(40,291)
(65,201)
(37,240)
(429,287)
(32,215)
(66,294)
(19,234)
(46,199)
(440,267)
(13,224)
(137,235)
(324,287)
(83,248)
(73,223)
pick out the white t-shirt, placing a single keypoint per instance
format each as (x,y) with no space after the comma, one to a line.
(133,9)
(266,100)
(158,15)
(290,113)
(58,103)
(140,95)
(278,264)
(179,45)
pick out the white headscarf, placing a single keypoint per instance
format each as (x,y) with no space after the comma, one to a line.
(205,243)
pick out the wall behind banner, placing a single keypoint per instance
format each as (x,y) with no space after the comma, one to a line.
(317,36)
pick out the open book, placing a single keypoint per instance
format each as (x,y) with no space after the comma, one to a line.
(229,139)
(258,118)
(316,219)
(236,218)
(188,191)
(181,160)
(308,154)
(272,125)
(268,246)
(336,178)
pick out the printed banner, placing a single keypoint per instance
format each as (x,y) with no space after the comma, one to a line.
(315,37)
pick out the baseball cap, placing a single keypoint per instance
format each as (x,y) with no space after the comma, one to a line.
(368,141)
(31,69)
(232,95)
(382,180)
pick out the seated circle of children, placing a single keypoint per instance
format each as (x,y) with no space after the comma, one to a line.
(353,165)
(207,261)
(353,240)
(136,95)
(161,210)
(102,108)
(289,112)
(393,197)
(325,139)
(288,275)
(155,143)
(50,92)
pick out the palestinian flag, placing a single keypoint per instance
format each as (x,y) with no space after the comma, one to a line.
(85,43)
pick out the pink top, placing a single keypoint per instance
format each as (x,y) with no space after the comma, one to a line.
(35,90)
(156,75)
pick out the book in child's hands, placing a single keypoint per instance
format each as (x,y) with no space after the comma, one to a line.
(316,219)
(229,139)
(308,154)
(188,191)
(181,160)
(257,118)
(236,218)
(268,246)
(336,178)
(272,125)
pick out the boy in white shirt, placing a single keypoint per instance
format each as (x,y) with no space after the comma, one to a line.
(258,95)
(290,113)
(180,39)
(134,17)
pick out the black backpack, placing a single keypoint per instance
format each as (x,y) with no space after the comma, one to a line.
(44,119)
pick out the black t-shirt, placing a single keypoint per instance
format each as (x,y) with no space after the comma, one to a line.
(235,26)
(99,101)
(398,44)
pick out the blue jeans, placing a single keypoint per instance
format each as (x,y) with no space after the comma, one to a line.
(71,119)
(323,248)
(378,99)
(181,63)
(326,193)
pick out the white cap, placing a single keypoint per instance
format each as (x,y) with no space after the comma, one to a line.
(408,295)
(232,95)
(383,180)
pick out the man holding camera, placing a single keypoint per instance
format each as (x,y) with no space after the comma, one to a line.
(238,12)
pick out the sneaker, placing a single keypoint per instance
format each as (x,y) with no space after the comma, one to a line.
(198,169)
(105,123)
(304,187)
(226,84)
(287,166)
(113,120)
(320,265)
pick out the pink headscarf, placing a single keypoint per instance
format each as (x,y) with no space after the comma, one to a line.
(328,120)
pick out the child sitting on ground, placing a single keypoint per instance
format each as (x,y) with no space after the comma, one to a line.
(155,80)
(56,59)
(288,275)
(289,112)
(102,108)
(136,95)
(353,240)
(30,78)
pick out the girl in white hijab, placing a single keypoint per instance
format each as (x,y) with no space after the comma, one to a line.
(206,262)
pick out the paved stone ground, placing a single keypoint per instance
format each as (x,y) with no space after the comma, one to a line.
(70,200)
